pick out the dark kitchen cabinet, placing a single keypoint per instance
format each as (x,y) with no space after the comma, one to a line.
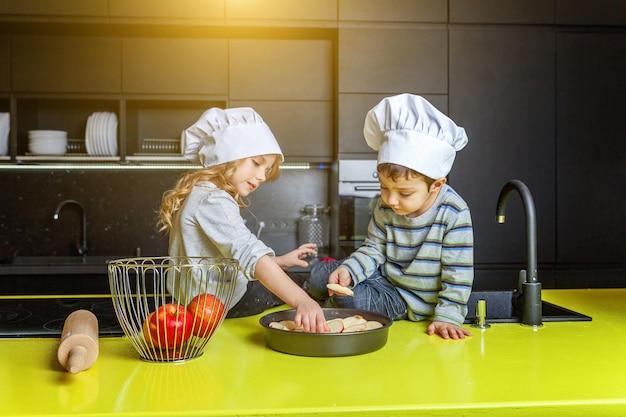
(159,86)
(291,87)
(47,10)
(375,62)
(590,164)
(65,64)
(5,64)
(502,88)
(175,66)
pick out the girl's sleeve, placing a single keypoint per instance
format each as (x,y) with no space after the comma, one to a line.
(220,219)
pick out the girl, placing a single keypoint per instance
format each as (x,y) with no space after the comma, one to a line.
(238,153)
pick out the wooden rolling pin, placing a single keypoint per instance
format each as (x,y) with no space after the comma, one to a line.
(79,341)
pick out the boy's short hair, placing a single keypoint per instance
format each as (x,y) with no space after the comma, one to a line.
(395,171)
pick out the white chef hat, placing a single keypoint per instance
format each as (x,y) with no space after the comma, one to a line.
(407,130)
(224,135)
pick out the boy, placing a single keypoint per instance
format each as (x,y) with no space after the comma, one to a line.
(417,260)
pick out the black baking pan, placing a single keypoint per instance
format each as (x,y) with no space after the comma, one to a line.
(326,344)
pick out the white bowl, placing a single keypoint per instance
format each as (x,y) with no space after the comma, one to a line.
(48,132)
(58,148)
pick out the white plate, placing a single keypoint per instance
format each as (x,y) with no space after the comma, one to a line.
(89,135)
(5,126)
(182,143)
(100,134)
(108,136)
(96,133)
(113,134)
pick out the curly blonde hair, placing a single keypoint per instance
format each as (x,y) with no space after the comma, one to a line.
(219,175)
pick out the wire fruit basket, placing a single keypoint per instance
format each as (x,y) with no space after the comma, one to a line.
(169,307)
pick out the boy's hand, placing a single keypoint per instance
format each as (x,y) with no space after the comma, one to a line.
(296,257)
(447,330)
(340,276)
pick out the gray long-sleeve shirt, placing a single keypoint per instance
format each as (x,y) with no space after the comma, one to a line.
(210,224)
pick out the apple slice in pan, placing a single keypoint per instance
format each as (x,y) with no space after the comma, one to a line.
(335,325)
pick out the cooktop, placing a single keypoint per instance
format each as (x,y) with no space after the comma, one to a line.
(45,317)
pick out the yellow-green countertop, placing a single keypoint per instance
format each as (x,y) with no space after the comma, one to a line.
(561,369)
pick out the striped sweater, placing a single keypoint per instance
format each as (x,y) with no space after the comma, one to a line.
(429,258)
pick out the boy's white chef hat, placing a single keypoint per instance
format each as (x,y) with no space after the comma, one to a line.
(224,135)
(407,130)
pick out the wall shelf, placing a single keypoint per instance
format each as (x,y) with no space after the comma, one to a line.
(140,121)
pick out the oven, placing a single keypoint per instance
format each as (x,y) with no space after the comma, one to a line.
(358,190)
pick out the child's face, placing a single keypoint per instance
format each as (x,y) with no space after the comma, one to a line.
(408,197)
(251,173)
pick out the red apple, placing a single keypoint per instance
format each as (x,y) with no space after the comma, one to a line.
(208,312)
(168,327)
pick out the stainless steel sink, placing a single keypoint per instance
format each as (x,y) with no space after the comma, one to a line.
(502,307)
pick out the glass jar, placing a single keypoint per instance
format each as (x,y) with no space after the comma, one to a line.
(314,227)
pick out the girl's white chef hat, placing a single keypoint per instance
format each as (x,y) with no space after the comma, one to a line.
(407,130)
(225,135)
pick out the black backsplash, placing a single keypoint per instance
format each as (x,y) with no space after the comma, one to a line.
(121,206)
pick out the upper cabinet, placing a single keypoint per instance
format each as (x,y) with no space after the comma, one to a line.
(502,88)
(66,64)
(5,64)
(291,86)
(281,69)
(175,66)
(560,12)
(57,9)
(502,11)
(385,60)
(375,62)
(304,12)
(393,11)
(167,9)
(591,147)
(158,86)
(583,12)
(219,12)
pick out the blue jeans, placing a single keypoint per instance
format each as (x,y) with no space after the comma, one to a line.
(375,294)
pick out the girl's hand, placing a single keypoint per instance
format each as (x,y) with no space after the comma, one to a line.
(447,330)
(310,316)
(296,257)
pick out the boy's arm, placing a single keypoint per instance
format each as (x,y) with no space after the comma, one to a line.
(457,271)
(371,254)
